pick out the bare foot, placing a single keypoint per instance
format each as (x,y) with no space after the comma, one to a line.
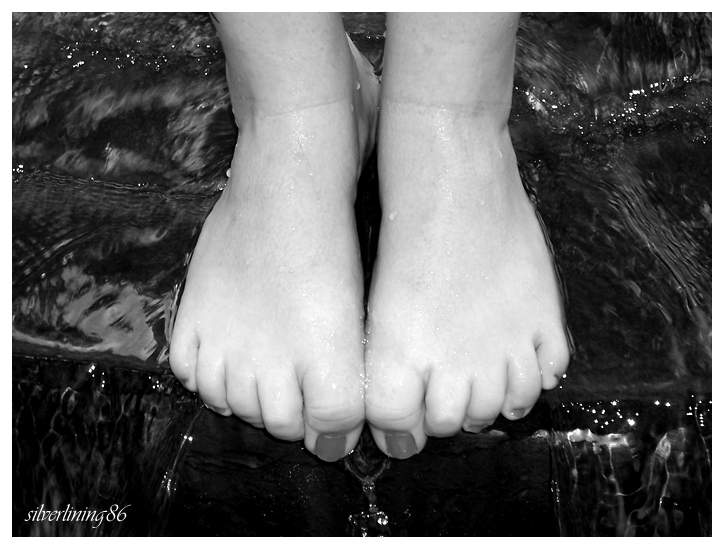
(270,325)
(465,317)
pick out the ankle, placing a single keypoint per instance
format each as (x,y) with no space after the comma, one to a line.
(450,160)
(345,95)
(431,119)
(312,149)
(286,86)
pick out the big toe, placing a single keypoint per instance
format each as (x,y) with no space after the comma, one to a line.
(394,408)
(334,411)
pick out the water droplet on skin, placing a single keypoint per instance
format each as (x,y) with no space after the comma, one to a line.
(357,86)
(393,215)
(229,173)
(500,154)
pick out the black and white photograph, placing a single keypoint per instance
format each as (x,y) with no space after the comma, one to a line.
(362,274)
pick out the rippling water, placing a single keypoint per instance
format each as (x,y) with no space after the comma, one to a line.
(122,133)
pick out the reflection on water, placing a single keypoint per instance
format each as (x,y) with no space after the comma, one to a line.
(86,278)
(122,133)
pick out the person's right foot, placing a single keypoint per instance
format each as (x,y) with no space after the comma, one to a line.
(270,325)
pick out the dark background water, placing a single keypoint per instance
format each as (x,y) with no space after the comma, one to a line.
(122,134)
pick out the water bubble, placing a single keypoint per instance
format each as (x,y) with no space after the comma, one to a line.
(229,172)
(393,215)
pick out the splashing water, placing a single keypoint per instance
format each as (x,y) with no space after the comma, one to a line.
(367,463)
(620,480)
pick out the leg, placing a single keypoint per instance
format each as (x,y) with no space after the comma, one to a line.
(465,318)
(270,323)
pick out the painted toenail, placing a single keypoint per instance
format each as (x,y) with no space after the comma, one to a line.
(518,413)
(330,448)
(401,445)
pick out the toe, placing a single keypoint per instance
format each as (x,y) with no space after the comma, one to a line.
(183,356)
(242,395)
(487,396)
(331,447)
(211,383)
(553,358)
(395,409)
(524,384)
(447,397)
(475,427)
(334,410)
(400,445)
(280,400)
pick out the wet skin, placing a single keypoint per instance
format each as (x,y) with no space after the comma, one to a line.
(465,318)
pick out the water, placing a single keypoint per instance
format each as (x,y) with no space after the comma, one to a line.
(87,436)
(367,464)
(122,136)
(642,470)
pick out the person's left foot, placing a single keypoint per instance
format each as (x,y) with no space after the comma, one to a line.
(465,318)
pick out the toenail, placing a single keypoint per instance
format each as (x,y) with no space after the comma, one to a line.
(401,445)
(477,428)
(330,448)
(220,410)
(518,413)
